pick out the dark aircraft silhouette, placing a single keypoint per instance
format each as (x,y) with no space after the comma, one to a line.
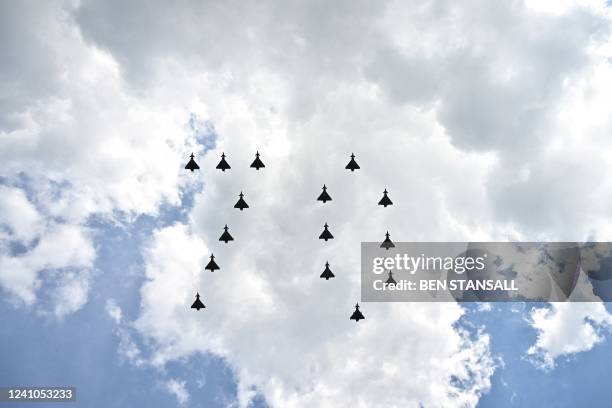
(357,315)
(241,204)
(327,273)
(385,200)
(212,265)
(391,280)
(226,236)
(387,243)
(223,165)
(326,234)
(192,165)
(257,164)
(324,196)
(352,165)
(197,305)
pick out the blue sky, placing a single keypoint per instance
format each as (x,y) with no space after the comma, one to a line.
(576,381)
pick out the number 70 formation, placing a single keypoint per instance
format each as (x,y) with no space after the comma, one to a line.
(326,235)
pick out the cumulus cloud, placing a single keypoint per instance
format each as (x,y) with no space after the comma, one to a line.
(565,329)
(289,336)
(521,81)
(18,216)
(58,247)
(74,143)
(178,389)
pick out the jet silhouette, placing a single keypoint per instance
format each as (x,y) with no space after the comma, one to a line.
(257,164)
(197,305)
(241,204)
(352,165)
(212,265)
(326,234)
(223,165)
(391,280)
(357,315)
(324,196)
(192,165)
(387,243)
(385,200)
(327,273)
(226,236)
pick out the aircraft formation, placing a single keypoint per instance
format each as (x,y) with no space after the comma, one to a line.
(326,235)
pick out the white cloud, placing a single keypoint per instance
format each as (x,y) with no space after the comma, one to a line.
(72,292)
(565,329)
(17,215)
(563,6)
(178,389)
(289,335)
(114,311)
(485,307)
(58,247)
(74,142)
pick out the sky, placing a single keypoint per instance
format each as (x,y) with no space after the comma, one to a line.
(484,121)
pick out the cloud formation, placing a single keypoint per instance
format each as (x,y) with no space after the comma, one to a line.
(29,244)
(288,334)
(74,143)
(565,329)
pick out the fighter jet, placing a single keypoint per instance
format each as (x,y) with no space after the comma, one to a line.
(352,165)
(391,280)
(223,165)
(387,243)
(327,273)
(324,196)
(192,165)
(241,204)
(226,236)
(212,265)
(385,200)
(326,234)
(257,164)
(357,315)
(197,305)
